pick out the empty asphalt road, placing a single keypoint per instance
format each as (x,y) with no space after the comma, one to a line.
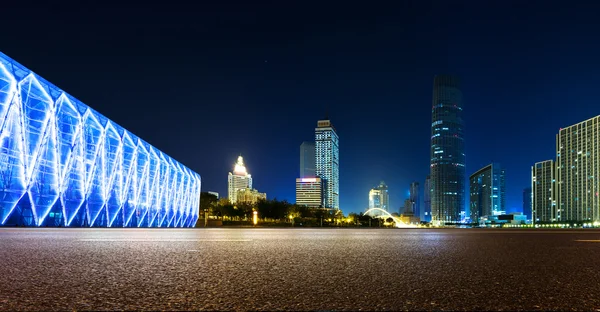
(299,269)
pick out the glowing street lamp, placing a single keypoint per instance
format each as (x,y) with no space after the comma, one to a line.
(255,217)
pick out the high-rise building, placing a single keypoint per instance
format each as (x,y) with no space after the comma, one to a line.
(309,192)
(543,192)
(414,198)
(447,151)
(427,200)
(487,192)
(527,202)
(578,172)
(379,197)
(307,160)
(327,162)
(239,179)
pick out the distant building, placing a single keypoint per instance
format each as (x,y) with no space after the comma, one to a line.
(239,179)
(487,192)
(427,200)
(379,197)
(327,162)
(543,192)
(447,164)
(307,160)
(214,193)
(408,215)
(250,196)
(578,172)
(527,202)
(414,198)
(408,207)
(309,192)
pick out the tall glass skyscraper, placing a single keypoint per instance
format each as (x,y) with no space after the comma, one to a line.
(327,162)
(447,151)
(307,160)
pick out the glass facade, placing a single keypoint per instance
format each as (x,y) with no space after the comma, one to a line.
(447,151)
(64,164)
(487,192)
(327,162)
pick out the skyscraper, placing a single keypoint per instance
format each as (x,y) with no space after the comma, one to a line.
(307,160)
(578,171)
(427,199)
(543,192)
(327,165)
(379,197)
(527,202)
(239,179)
(487,192)
(414,198)
(447,151)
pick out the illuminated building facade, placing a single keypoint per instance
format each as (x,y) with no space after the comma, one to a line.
(64,164)
(543,191)
(239,179)
(327,162)
(309,192)
(487,192)
(578,172)
(447,168)
(250,196)
(379,197)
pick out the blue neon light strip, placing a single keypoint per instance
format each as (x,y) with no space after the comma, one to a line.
(60,158)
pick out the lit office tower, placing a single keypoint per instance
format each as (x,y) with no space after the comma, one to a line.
(414,198)
(487,196)
(327,165)
(309,192)
(578,171)
(542,190)
(379,197)
(447,151)
(307,160)
(239,179)
(527,202)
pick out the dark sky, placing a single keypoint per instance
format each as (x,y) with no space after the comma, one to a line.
(207,81)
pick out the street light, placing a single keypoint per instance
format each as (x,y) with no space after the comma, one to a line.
(255,217)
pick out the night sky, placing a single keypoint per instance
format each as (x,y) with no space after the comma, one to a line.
(208,81)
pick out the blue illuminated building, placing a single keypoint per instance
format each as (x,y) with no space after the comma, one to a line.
(64,164)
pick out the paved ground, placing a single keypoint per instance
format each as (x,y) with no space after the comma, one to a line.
(299,269)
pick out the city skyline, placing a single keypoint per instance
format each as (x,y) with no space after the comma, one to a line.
(270,85)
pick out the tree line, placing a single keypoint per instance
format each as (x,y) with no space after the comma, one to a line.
(274,210)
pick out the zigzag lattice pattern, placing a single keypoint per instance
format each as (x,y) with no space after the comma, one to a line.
(64,164)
